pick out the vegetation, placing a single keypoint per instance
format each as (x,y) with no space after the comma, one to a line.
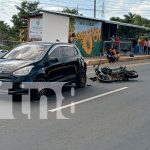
(28,7)
(133,19)
(4,30)
(19,20)
(71,11)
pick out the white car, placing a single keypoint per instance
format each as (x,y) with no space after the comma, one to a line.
(3,52)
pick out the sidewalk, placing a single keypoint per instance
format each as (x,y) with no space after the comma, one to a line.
(95,60)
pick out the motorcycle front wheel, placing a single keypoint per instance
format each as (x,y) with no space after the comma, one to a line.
(105,78)
(131,74)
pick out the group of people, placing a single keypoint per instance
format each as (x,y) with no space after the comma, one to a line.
(141,46)
(112,55)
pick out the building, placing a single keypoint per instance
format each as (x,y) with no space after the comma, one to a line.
(87,33)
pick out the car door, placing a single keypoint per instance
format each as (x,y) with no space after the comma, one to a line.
(70,62)
(54,71)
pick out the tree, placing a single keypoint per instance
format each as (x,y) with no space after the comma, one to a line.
(141,21)
(25,9)
(71,11)
(5,36)
(129,18)
(133,19)
(4,31)
(116,19)
(138,20)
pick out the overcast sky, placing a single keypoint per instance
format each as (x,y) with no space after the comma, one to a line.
(111,7)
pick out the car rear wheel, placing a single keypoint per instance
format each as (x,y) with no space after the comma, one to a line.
(81,79)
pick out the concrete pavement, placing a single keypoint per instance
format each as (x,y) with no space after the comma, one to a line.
(116,121)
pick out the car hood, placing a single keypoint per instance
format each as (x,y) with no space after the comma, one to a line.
(7,65)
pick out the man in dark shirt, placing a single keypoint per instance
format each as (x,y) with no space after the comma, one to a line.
(135,45)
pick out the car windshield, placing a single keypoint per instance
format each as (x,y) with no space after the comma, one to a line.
(27,52)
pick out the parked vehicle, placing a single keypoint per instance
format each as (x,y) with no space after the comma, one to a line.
(43,62)
(3,52)
(107,74)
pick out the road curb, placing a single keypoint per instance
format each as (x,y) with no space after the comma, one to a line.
(95,61)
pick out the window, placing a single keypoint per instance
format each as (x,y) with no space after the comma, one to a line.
(28,52)
(56,53)
(3,51)
(76,52)
(69,51)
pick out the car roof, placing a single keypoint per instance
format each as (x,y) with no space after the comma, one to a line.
(48,43)
(39,43)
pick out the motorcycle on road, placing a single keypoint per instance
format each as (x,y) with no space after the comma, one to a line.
(106,74)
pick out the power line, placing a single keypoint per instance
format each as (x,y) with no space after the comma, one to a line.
(128,10)
(69,3)
(135,1)
(80,8)
(111,6)
(73,3)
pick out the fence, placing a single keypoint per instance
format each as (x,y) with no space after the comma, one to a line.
(8,45)
(122,47)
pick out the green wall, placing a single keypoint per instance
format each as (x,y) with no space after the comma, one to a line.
(86,34)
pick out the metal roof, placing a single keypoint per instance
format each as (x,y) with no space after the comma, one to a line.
(90,18)
(127,24)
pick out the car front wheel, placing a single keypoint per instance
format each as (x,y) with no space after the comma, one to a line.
(81,79)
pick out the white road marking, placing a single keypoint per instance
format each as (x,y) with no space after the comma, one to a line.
(86,100)
(3,92)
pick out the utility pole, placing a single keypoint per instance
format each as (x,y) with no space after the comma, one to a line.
(94,8)
(103,11)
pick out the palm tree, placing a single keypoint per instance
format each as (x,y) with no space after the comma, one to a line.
(129,18)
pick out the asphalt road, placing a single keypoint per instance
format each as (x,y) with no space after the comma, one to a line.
(114,116)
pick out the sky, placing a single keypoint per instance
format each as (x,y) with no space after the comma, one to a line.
(112,8)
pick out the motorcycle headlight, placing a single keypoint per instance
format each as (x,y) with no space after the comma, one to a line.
(23,71)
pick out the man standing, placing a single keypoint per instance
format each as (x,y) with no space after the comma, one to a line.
(141,46)
(146,46)
(135,45)
(149,47)
(117,42)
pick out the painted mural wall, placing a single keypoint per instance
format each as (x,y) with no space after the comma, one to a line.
(86,34)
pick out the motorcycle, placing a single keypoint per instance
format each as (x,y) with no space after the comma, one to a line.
(107,74)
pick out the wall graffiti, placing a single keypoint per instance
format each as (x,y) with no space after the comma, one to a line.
(86,34)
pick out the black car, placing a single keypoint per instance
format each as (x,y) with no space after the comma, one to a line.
(43,62)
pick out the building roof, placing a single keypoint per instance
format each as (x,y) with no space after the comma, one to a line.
(89,18)
(127,24)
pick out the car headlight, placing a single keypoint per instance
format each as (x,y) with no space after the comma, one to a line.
(23,71)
